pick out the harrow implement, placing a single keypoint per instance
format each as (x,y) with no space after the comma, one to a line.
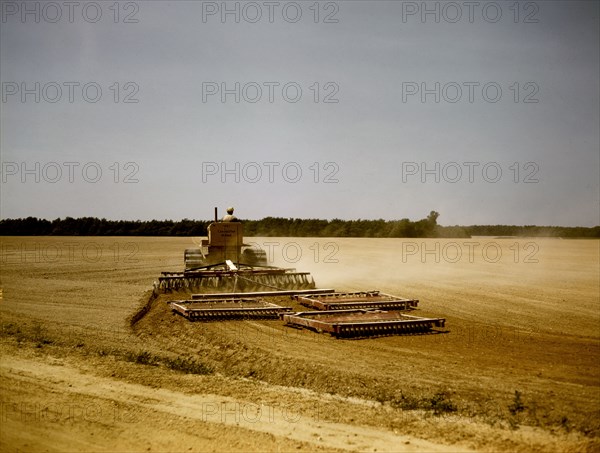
(233,278)
(362,323)
(356,300)
(231,308)
(244,279)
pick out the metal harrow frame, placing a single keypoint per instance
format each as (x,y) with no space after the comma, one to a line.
(227,308)
(356,300)
(362,323)
(235,280)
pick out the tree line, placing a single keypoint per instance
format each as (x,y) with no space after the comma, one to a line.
(283,227)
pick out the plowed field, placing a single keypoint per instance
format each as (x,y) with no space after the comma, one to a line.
(515,369)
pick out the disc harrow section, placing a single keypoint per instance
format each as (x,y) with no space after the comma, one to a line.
(362,323)
(221,309)
(247,280)
(356,300)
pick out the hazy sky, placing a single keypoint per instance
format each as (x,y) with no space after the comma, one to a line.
(483,112)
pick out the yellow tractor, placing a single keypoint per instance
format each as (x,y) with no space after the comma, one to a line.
(224,262)
(225,242)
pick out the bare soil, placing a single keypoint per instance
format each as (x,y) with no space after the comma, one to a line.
(92,362)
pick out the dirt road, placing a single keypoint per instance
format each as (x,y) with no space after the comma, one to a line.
(100,403)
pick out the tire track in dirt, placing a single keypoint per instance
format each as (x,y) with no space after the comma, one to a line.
(215,409)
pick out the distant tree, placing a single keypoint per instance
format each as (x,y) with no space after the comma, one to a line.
(432,217)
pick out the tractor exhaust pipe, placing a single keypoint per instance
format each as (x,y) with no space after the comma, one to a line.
(216,215)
